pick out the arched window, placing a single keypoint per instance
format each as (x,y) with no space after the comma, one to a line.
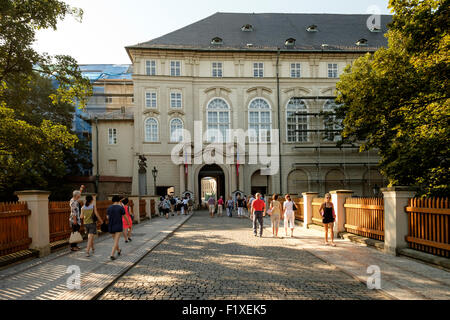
(331,125)
(151,130)
(218,120)
(176,130)
(259,120)
(296,120)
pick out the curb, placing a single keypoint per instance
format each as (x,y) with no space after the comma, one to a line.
(101,292)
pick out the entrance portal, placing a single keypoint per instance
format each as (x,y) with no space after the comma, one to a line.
(211,178)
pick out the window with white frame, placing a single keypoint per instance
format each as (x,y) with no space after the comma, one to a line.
(217,69)
(258,69)
(331,125)
(332,70)
(108,99)
(112,136)
(175,100)
(176,130)
(259,120)
(295,70)
(151,130)
(151,100)
(150,67)
(297,120)
(175,68)
(218,120)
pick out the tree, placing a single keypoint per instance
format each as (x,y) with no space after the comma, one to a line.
(34,115)
(397,99)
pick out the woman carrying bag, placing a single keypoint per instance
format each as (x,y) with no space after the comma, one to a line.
(90,217)
(75,221)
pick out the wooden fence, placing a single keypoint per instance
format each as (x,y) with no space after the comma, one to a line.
(58,218)
(316,216)
(365,217)
(102,206)
(142,208)
(428,223)
(152,207)
(299,213)
(14,227)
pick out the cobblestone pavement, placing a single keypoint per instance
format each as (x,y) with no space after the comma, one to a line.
(46,278)
(219,258)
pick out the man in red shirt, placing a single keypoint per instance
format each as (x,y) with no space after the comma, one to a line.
(258,211)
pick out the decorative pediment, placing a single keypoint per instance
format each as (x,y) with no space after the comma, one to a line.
(150,112)
(176,113)
(297,91)
(218,91)
(328,91)
(260,90)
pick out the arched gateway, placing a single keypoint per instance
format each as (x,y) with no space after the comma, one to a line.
(211,180)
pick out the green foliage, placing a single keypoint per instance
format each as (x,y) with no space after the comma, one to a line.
(36,145)
(397,99)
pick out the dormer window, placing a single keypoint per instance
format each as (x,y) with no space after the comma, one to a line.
(247,28)
(289,42)
(216,41)
(361,42)
(312,28)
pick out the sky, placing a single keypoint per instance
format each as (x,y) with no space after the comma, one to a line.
(110,25)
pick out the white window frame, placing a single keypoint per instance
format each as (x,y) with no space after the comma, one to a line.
(258,69)
(108,99)
(217,69)
(176,136)
(333,70)
(149,138)
(150,67)
(258,136)
(151,99)
(175,68)
(216,126)
(112,136)
(296,70)
(176,100)
(300,123)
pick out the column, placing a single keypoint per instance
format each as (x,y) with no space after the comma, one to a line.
(338,198)
(137,216)
(395,217)
(182,179)
(307,207)
(38,221)
(148,205)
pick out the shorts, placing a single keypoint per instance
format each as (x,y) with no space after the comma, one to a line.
(212,207)
(275,219)
(91,228)
(289,218)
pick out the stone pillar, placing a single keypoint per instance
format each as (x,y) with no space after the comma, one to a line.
(137,216)
(395,217)
(147,206)
(182,179)
(38,221)
(307,207)
(338,198)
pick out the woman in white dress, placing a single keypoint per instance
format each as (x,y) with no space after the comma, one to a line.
(288,215)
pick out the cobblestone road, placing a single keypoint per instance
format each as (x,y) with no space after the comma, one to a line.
(220,258)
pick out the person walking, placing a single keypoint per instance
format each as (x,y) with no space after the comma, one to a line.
(258,212)
(230,205)
(160,206)
(275,214)
(249,205)
(211,206)
(328,217)
(127,220)
(220,204)
(288,215)
(167,207)
(240,203)
(74,218)
(88,214)
(190,205)
(173,202)
(114,215)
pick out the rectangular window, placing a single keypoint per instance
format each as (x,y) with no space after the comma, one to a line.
(295,70)
(332,70)
(258,69)
(112,136)
(175,68)
(108,99)
(150,100)
(150,67)
(175,100)
(217,69)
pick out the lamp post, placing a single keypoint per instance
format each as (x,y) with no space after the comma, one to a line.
(155,174)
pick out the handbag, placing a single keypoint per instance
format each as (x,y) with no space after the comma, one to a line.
(75,237)
(104,227)
(294,207)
